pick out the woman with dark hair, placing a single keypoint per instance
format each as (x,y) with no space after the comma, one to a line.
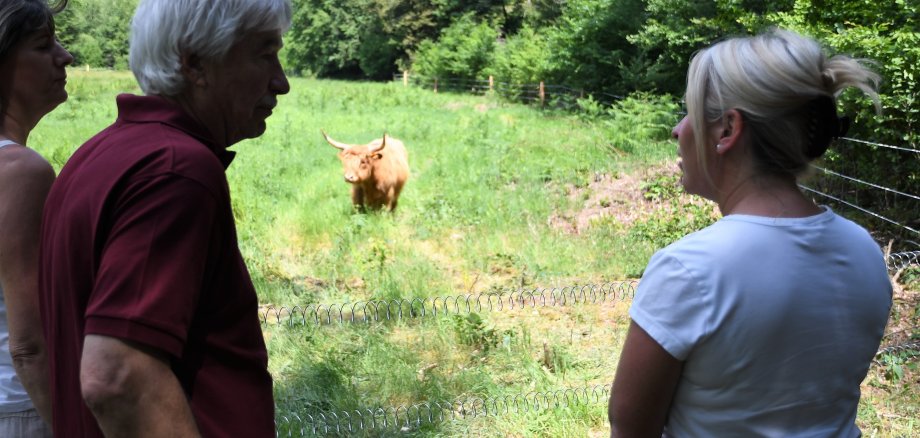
(766,322)
(32,78)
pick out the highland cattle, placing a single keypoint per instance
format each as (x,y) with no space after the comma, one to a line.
(376,171)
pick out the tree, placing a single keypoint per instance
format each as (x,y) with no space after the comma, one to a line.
(96,32)
(325,36)
(374,38)
(590,47)
(463,51)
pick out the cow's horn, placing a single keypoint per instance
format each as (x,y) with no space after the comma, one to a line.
(378,148)
(336,144)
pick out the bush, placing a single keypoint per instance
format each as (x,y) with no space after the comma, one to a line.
(462,52)
(631,122)
(521,59)
(589,48)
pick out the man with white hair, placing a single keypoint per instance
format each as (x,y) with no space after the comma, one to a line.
(147,305)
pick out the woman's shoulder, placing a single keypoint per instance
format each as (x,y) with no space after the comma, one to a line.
(19,164)
(704,240)
(698,251)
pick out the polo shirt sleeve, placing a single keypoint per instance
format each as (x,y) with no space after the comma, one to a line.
(672,306)
(153,263)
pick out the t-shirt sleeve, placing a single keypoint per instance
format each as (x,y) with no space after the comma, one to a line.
(153,263)
(671,306)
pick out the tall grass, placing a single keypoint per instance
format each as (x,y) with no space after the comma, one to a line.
(474,217)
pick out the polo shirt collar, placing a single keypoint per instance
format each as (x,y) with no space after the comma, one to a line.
(156,109)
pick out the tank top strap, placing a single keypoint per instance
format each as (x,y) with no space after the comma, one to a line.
(4,143)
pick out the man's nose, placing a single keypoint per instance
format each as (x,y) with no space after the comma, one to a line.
(280,84)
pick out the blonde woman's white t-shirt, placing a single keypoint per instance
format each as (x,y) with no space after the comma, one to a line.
(777,321)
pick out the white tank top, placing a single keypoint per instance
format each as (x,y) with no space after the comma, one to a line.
(13,397)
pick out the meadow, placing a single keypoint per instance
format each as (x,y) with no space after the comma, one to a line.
(502,198)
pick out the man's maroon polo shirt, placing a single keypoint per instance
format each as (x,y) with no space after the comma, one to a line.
(139,243)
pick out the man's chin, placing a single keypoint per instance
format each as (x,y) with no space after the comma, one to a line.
(253,131)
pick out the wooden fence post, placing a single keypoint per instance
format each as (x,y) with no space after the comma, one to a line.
(435,85)
(491,83)
(405,78)
(542,95)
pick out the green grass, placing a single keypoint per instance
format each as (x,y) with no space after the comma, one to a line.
(474,217)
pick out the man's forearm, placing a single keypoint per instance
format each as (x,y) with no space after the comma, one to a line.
(132,391)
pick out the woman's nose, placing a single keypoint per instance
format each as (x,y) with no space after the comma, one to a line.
(64,57)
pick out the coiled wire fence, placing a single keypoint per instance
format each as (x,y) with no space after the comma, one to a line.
(406,418)
(387,310)
(901,347)
(901,260)
(902,352)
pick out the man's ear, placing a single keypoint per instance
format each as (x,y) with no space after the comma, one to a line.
(192,68)
(732,127)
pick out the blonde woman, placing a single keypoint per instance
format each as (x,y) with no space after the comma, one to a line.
(32,79)
(766,322)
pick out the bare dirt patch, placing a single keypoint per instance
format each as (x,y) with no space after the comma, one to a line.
(621,197)
(481,107)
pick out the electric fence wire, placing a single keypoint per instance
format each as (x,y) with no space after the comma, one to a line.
(555,95)
(856,180)
(881,145)
(387,310)
(850,204)
(407,418)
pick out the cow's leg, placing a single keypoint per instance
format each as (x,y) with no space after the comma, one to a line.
(357,198)
(392,198)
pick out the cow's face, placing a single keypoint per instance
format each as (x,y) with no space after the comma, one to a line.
(358,163)
(358,159)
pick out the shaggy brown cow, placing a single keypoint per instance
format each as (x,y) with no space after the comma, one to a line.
(376,171)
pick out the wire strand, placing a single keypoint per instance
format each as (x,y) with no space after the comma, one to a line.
(831,172)
(859,208)
(888,146)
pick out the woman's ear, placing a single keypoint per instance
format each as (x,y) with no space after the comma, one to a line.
(731,128)
(192,68)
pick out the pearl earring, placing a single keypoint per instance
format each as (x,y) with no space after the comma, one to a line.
(718,147)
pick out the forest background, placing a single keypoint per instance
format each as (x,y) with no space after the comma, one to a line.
(604,48)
